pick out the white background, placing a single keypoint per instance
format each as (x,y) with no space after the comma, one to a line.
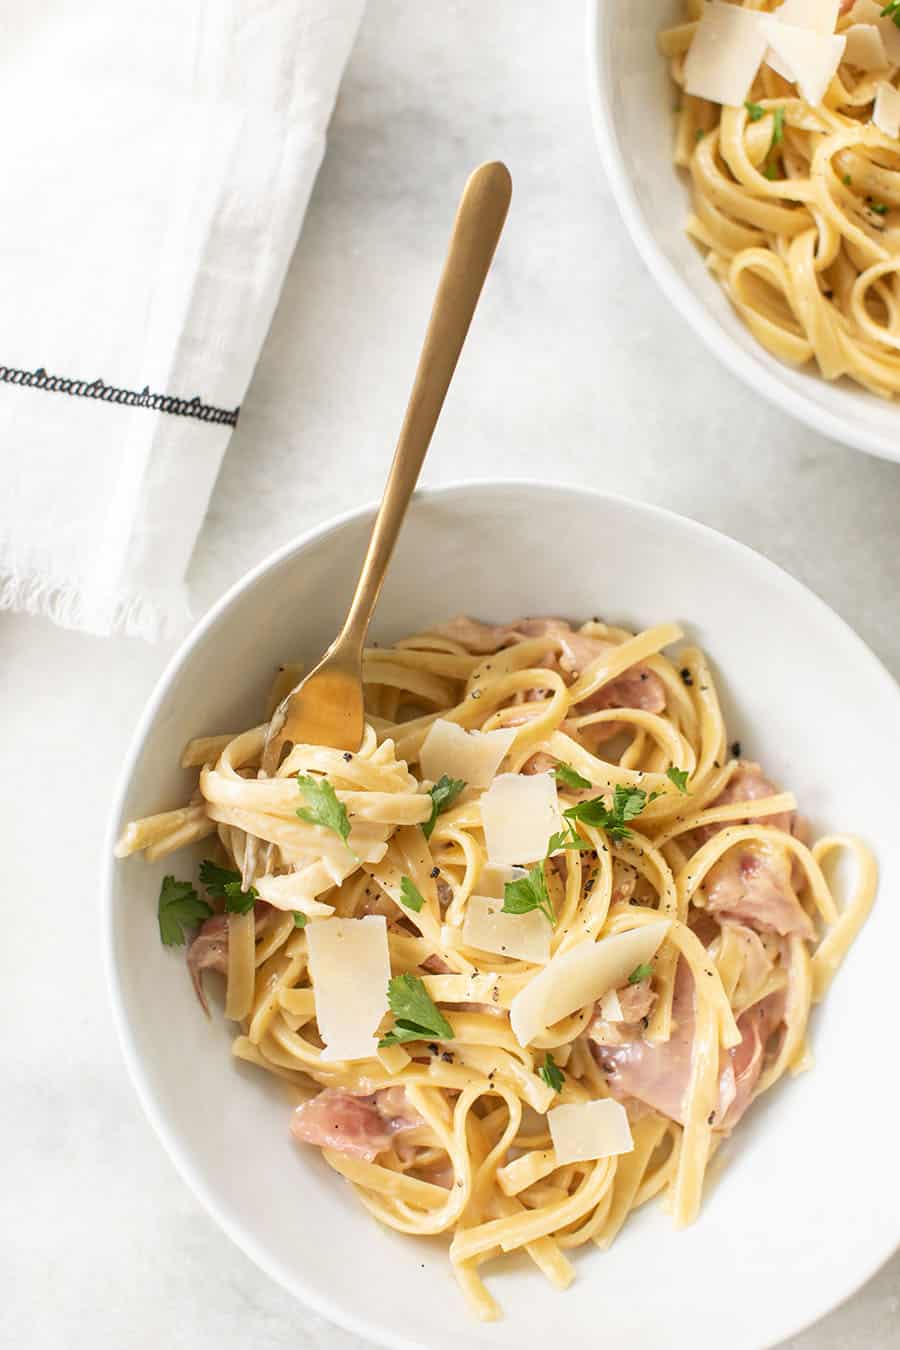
(577,371)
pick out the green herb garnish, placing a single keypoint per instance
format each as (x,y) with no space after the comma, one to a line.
(846,180)
(551,1074)
(322,806)
(699,134)
(878,207)
(568,837)
(777,128)
(628,802)
(528,893)
(570,777)
(299,918)
(416,1018)
(754,111)
(679,777)
(410,895)
(639,973)
(443,795)
(223,883)
(179,907)
(892,11)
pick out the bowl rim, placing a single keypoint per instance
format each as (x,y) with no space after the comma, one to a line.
(166,1133)
(748,368)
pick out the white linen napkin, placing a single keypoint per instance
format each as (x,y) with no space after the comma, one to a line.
(158,159)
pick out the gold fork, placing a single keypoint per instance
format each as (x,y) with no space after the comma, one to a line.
(328,706)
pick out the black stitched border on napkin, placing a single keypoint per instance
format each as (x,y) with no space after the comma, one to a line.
(110,393)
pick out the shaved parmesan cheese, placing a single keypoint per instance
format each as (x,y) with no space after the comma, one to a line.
(610,1007)
(583,1131)
(725,54)
(492,880)
(886,113)
(865,47)
(350,969)
(575,978)
(869,12)
(805,58)
(473,756)
(818,15)
(523,936)
(519,813)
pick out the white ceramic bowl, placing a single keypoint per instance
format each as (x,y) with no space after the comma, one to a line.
(631,100)
(808,1207)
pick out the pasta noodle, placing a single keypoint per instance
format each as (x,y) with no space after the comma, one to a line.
(797,208)
(673,840)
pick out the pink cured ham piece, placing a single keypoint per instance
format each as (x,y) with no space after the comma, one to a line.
(752,886)
(637,687)
(748,784)
(362,1126)
(656,1074)
(209,949)
(741,1071)
(659,1075)
(636,1000)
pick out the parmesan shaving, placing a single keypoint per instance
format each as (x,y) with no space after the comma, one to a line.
(886,113)
(519,813)
(350,969)
(578,977)
(868,12)
(583,1131)
(611,1008)
(473,756)
(726,53)
(865,47)
(492,880)
(525,937)
(805,58)
(820,16)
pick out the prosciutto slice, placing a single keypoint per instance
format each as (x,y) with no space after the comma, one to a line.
(209,949)
(754,884)
(658,1075)
(637,687)
(360,1125)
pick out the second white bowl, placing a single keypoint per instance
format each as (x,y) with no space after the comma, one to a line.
(631,100)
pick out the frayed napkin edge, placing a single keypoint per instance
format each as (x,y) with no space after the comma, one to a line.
(152,616)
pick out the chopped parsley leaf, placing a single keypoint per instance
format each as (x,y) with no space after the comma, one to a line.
(551,1074)
(223,883)
(570,777)
(299,918)
(679,777)
(528,893)
(754,111)
(443,795)
(410,895)
(416,1018)
(179,907)
(628,802)
(322,806)
(639,973)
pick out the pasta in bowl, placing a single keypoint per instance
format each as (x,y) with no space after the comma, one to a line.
(760,193)
(538,944)
(354,941)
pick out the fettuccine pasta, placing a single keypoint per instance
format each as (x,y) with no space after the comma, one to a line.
(796,205)
(599,951)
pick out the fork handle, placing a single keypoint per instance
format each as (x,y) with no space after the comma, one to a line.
(476,231)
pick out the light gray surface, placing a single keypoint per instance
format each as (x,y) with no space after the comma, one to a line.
(577,371)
